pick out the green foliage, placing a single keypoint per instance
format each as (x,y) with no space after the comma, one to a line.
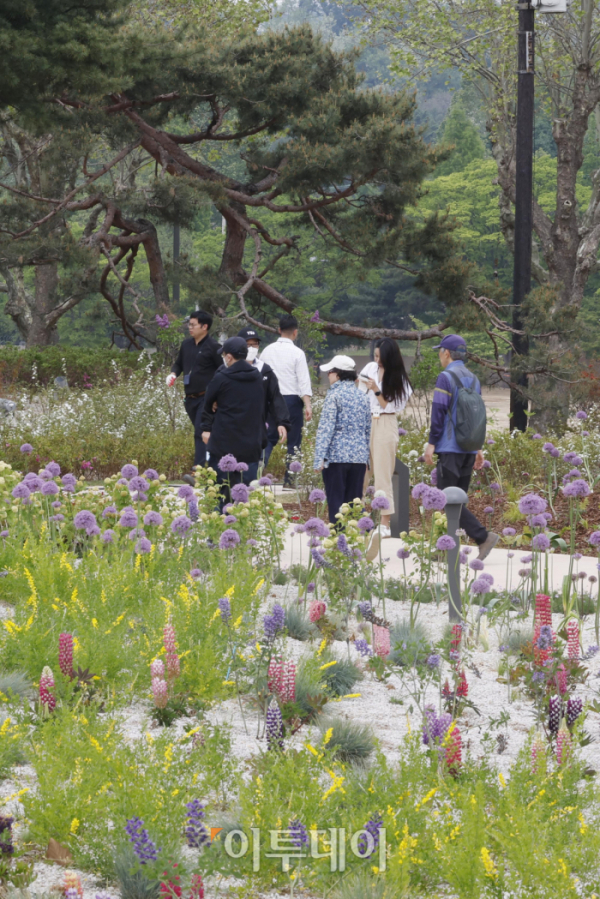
(459,133)
(340,677)
(364,885)
(350,743)
(133,882)
(409,644)
(297,624)
(38,367)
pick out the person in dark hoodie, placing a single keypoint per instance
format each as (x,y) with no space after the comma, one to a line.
(276,410)
(233,418)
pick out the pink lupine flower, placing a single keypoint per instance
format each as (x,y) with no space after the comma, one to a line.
(543,609)
(573,638)
(564,744)
(160,692)
(157,668)
(316,610)
(281,679)
(288,689)
(72,881)
(173,666)
(275,676)
(169,638)
(381,641)
(453,751)
(538,751)
(65,654)
(561,680)
(172,659)
(47,698)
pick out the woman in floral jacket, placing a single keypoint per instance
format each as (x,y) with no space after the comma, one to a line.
(342,446)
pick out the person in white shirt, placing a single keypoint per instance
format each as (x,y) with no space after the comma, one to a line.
(388,389)
(289,364)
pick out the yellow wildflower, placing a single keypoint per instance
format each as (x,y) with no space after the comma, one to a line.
(74,825)
(488,864)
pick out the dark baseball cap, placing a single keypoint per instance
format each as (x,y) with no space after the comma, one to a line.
(452,342)
(249,334)
(236,346)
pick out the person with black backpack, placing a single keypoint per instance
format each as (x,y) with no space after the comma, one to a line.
(457,433)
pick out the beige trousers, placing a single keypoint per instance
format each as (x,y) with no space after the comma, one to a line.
(384,444)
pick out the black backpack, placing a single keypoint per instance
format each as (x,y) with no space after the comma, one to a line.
(471,416)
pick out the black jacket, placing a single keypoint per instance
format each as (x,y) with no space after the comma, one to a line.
(199,361)
(238,425)
(276,410)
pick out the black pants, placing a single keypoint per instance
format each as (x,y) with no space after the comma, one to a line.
(294,437)
(343,482)
(455,470)
(194,406)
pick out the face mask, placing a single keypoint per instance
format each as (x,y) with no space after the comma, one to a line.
(252,354)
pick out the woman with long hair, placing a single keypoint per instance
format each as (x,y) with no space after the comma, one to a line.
(388,389)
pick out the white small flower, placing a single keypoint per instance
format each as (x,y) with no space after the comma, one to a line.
(380,493)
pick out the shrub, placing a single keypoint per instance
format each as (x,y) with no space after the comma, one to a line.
(410,645)
(365,885)
(341,677)
(297,624)
(37,367)
(351,742)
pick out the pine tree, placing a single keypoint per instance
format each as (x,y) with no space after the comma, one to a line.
(461,134)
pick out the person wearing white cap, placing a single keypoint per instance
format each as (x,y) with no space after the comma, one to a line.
(342,444)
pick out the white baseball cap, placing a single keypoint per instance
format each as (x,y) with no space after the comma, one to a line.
(342,363)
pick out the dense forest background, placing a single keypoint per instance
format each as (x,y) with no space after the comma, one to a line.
(321,278)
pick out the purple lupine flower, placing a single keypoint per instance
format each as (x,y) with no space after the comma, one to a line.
(544,640)
(316,496)
(418,490)
(574,710)
(363,648)
(591,651)
(108,536)
(365,524)
(143,546)
(229,539)
(403,553)
(445,543)
(319,559)
(153,518)
(196,834)
(151,475)
(145,849)
(274,726)
(554,714)
(240,493)
(128,518)
(21,491)
(227,463)
(541,542)
(365,608)
(342,545)
(369,840)
(181,525)
(186,492)
(84,520)
(434,499)
(316,527)
(434,728)
(26,449)
(225,609)
(578,487)
(298,833)
(295,467)
(274,623)
(380,503)
(129,471)
(532,504)
(480,586)
(434,661)
(50,489)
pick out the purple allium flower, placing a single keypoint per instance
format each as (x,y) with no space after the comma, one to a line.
(548,447)
(53,468)
(433,477)
(581,415)
(480,586)
(229,519)
(265,481)
(241,466)
(538,521)
(537,437)
(50,489)
(298,529)
(128,518)
(108,536)
(196,834)
(585,433)
(196,573)
(298,833)
(489,510)
(251,542)
(129,471)
(295,467)
(274,726)
(370,491)
(57,518)
(434,499)
(402,432)
(310,587)
(143,546)
(365,524)
(362,647)
(225,608)
(26,448)
(476,565)
(594,538)
(136,533)
(45,475)
(316,496)
(524,572)
(380,503)
(485,576)
(509,532)
(229,539)
(274,623)
(369,840)
(487,463)
(181,525)
(418,490)
(122,482)
(404,553)
(227,463)
(240,493)
(573,458)
(577,488)
(462,557)
(109,510)
(151,475)
(541,542)
(577,556)
(532,504)
(21,491)
(526,559)
(33,481)
(434,661)
(554,714)
(139,484)
(495,487)
(316,527)
(186,492)
(84,520)
(93,531)
(153,518)
(143,846)
(445,543)
(56,504)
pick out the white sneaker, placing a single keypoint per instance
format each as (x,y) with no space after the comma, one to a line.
(385,531)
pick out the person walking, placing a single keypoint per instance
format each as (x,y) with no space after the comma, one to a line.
(342,444)
(230,424)
(275,408)
(289,364)
(454,465)
(198,359)
(388,389)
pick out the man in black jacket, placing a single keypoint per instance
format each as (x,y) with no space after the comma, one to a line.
(236,426)
(199,357)
(276,411)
